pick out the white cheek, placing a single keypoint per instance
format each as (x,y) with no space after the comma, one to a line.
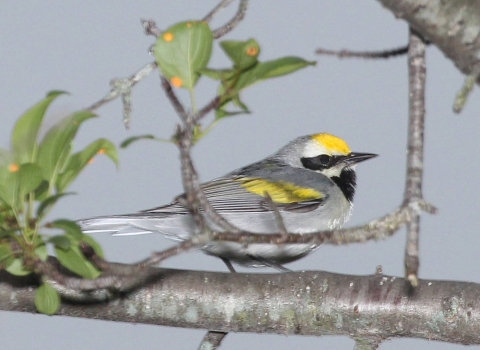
(313,149)
(335,171)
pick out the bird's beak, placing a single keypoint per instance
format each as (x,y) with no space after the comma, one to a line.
(354,157)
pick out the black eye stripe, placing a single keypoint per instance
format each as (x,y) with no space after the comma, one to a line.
(321,162)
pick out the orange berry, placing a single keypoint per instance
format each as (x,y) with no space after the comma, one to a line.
(13,168)
(168,36)
(176,81)
(252,51)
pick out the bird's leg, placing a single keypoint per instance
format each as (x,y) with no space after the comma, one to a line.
(229,265)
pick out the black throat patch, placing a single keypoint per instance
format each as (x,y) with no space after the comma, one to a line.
(346,181)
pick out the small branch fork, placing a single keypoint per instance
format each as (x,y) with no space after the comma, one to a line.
(123,86)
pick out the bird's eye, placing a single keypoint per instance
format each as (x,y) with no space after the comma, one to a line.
(324,159)
(321,162)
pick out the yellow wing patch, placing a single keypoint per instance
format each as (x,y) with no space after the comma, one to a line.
(332,143)
(281,192)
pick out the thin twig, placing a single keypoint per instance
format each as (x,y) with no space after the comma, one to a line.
(227,27)
(158,257)
(100,289)
(464,93)
(364,54)
(377,229)
(191,184)
(193,190)
(214,104)
(177,105)
(216,10)
(150,27)
(122,87)
(195,199)
(416,125)
(278,217)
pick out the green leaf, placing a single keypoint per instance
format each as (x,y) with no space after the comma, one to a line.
(29,178)
(7,233)
(133,139)
(222,113)
(47,300)
(182,50)
(8,178)
(269,69)
(282,66)
(69,227)
(243,53)
(41,251)
(75,261)
(16,268)
(218,74)
(17,181)
(25,132)
(54,150)
(78,161)
(41,192)
(60,241)
(237,102)
(94,244)
(47,203)
(6,255)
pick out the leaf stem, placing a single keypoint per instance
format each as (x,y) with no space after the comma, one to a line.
(193,100)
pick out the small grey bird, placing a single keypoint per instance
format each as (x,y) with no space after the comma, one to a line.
(311,181)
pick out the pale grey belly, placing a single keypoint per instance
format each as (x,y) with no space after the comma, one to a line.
(181,226)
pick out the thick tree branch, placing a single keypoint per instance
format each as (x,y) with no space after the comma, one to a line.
(453,26)
(303,303)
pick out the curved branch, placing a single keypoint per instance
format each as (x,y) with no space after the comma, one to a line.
(227,27)
(301,303)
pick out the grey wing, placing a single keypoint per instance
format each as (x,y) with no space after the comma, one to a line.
(224,194)
(227,195)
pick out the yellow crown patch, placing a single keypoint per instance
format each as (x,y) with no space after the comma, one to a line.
(332,143)
(281,192)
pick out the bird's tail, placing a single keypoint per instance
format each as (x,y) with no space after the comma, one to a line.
(121,225)
(138,224)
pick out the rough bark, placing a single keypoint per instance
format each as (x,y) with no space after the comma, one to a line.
(302,303)
(453,26)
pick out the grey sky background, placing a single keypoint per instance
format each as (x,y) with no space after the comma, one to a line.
(80,46)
